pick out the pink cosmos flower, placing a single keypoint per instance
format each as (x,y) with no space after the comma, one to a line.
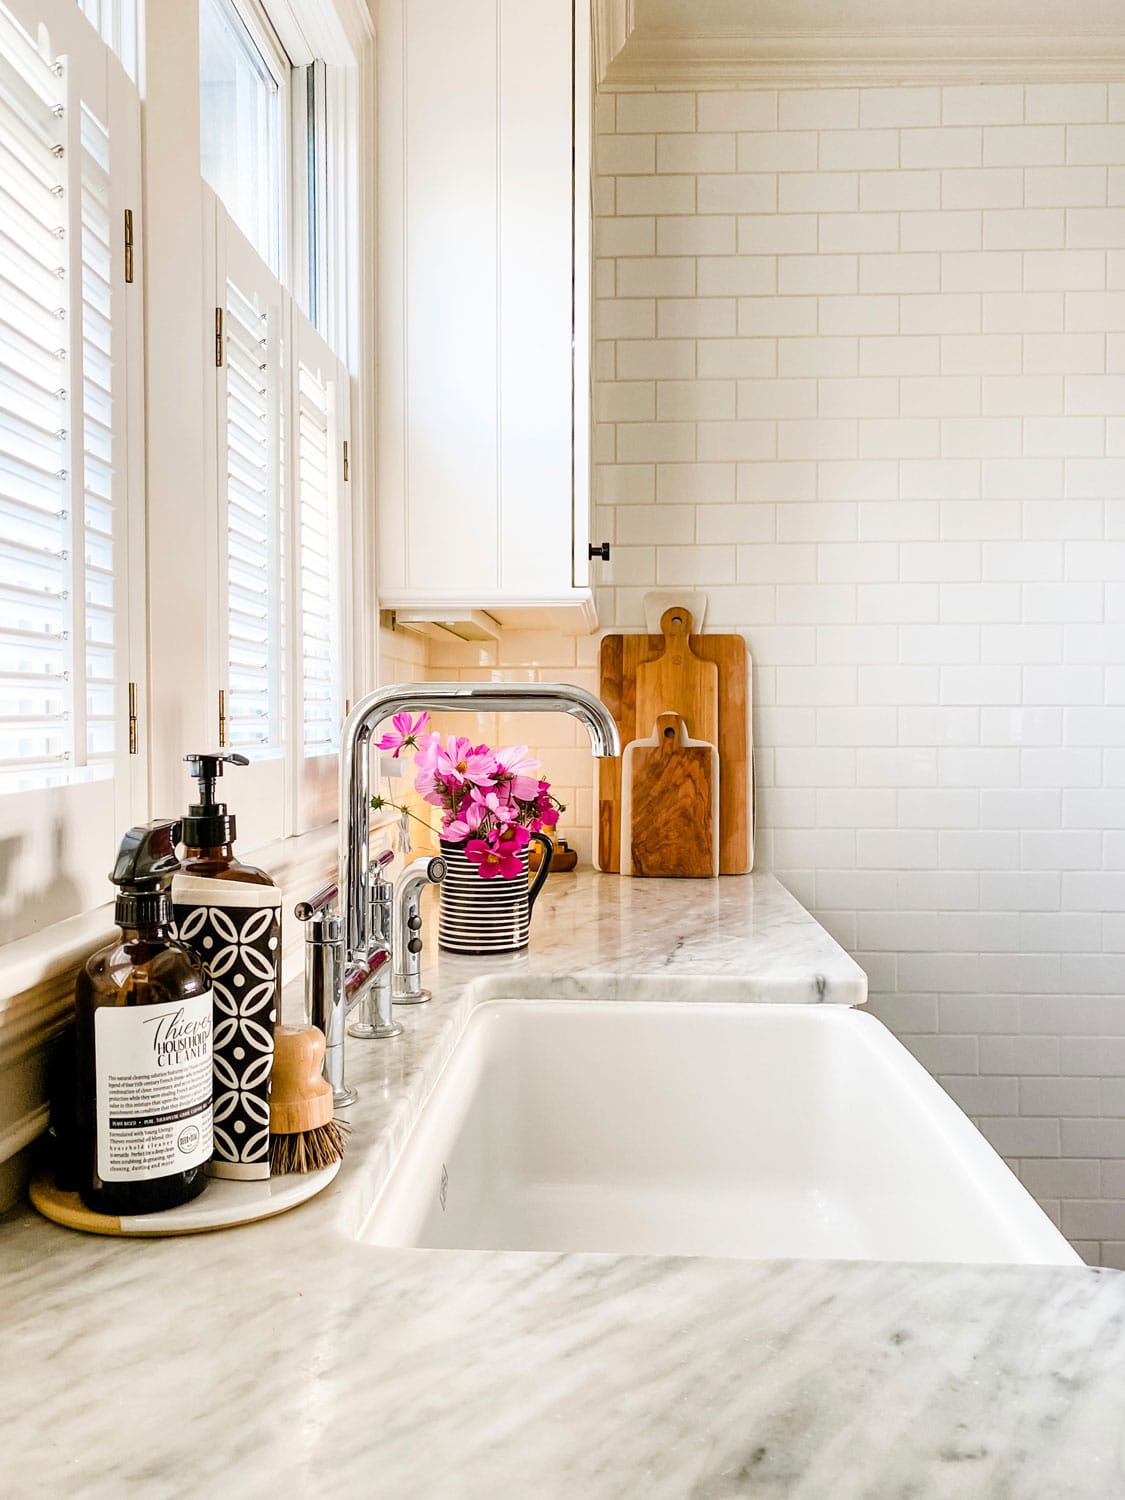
(489,861)
(545,809)
(514,766)
(404,733)
(460,763)
(514,834)
(466,819)
(508,844)
(493,802)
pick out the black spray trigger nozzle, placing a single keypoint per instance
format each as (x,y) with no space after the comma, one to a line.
(147,856)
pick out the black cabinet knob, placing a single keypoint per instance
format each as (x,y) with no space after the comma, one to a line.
(600,550)
(414,921)
(414,945)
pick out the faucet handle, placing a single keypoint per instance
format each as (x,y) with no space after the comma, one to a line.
(380,887)
(305,910)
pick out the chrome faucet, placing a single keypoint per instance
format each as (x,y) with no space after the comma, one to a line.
(376,1018)
(434,697)
(347,949)
(334,985)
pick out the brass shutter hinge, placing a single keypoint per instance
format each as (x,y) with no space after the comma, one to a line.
(128,246)
(133,733)
(222,719)
(345,460)
(218,338)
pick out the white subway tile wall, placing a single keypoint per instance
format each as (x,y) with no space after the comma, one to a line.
(860,360)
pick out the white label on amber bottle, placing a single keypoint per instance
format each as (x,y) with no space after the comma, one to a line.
(153,1067)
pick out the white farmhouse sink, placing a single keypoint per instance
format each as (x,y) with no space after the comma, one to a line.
(671,1128)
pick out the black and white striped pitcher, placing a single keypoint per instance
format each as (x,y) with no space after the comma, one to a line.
(487,916)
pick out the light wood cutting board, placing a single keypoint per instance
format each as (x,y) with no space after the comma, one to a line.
(670,803)
(678,681)
(620,658)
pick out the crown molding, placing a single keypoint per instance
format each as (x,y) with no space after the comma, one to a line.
(631,56)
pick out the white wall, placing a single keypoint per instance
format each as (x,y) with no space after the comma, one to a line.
(861,375)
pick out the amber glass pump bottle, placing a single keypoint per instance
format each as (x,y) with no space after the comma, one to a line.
(209,831)
(143,1017)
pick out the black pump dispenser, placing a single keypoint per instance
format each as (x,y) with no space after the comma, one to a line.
(146,862)
(208,825)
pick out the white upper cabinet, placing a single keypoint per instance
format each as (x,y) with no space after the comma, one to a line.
(484,260)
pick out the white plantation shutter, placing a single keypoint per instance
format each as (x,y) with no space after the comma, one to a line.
(318,564)
(250,576)
(36,728)
(253,525)
(69,446)
(98,597)
(321,536)
(283,537)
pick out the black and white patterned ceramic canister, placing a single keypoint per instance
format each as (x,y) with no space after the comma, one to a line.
(235,928)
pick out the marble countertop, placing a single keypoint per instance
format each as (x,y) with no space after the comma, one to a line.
(288,1357)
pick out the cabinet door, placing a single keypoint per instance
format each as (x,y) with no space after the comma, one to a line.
(477,300)
(535,325)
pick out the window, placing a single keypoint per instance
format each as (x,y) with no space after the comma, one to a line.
(118,22)
(273,148)
(244,101)
(272,125)
(70,642)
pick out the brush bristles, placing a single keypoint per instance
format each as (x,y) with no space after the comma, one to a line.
(308,1150)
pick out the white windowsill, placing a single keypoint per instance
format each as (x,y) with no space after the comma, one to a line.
(38,961)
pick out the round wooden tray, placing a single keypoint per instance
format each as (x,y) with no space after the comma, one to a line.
(223,1204)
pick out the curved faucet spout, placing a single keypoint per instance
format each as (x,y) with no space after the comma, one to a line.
(436,697)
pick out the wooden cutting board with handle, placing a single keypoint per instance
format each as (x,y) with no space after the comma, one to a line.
(678,681)
(621,658)
(670,803)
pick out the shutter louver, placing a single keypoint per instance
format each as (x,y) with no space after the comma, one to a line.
(36,682)
(319,570)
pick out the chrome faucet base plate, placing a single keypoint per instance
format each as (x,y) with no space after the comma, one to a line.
(366,1031)
(418,999)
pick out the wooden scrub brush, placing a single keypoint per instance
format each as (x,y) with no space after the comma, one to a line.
(304,1136)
